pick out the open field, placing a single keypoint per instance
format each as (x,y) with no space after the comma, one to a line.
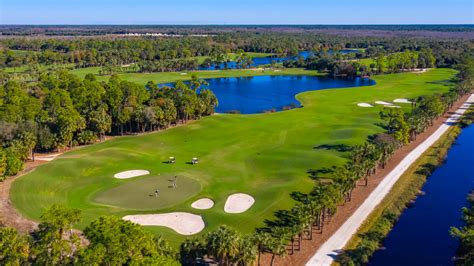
(25,68)
(263,155)
(163,77)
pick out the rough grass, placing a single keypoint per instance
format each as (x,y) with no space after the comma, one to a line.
(264,155)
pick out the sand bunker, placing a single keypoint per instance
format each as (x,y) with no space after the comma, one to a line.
(203,204)
(393,106)
(131,173)
(47,158)
(364,105)
(182,222)
(238,203)
(401,100)
(383,103)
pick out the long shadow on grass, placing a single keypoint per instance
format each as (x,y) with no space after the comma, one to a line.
(316,174)
(335,147)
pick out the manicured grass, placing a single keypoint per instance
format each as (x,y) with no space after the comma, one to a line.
(366,61)
(264,155)
(24,68)
(163,77)
(139,194)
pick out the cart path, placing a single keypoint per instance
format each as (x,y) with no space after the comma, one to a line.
(326,254)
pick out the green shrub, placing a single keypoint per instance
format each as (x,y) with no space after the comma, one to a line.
(86,137)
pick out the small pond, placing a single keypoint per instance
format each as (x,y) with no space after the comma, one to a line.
(260,61)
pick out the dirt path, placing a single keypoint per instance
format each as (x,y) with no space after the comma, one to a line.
(360,194)
(9,216)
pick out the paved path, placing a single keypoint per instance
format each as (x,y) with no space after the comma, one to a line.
(329,250)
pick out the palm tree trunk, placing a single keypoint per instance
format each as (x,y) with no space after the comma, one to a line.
(299,241)
(292,245)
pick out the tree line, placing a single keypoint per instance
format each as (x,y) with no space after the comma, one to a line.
(108,240)
(337,65)
(62,110)
(178,53)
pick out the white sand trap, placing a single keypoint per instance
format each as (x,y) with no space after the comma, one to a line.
(383,103)
(47,158)
(364,105)
(203,204)
(183,223)
(401,100)
(238,203)
(183,73)
(393,106)
(131,173)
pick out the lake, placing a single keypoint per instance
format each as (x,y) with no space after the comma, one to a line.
(260,61)
(249,95)
(421,236)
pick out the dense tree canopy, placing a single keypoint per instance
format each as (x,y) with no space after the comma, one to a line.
(108,240)
(62,110)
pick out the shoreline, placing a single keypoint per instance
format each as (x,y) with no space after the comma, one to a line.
(360,194)
(405,192)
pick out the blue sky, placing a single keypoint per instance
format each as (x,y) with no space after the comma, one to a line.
(236,12)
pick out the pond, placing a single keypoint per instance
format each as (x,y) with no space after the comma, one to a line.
(248,95)
(421,236)
(260,61)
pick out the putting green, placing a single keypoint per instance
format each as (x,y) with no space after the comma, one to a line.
(139,194)
(264,155)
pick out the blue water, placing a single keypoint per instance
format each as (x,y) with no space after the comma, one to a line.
(258,94)
(258,61)
(421,236)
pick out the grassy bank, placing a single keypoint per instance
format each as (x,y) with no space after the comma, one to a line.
(380,222)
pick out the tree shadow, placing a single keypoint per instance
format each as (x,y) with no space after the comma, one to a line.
(446,82)
(381,125)
(336,147)
(283,218)
(298,196)
(319,173)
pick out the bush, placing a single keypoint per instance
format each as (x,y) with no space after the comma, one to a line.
(86,137)
(13,162)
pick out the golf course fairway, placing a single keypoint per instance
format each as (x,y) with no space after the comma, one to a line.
(264,155)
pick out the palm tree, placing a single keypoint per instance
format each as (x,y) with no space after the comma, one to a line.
(302,221)
(223,244)
(262,241)
(278,242)
(247,251)
(190,250)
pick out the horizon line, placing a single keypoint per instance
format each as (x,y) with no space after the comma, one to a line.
(241,24)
